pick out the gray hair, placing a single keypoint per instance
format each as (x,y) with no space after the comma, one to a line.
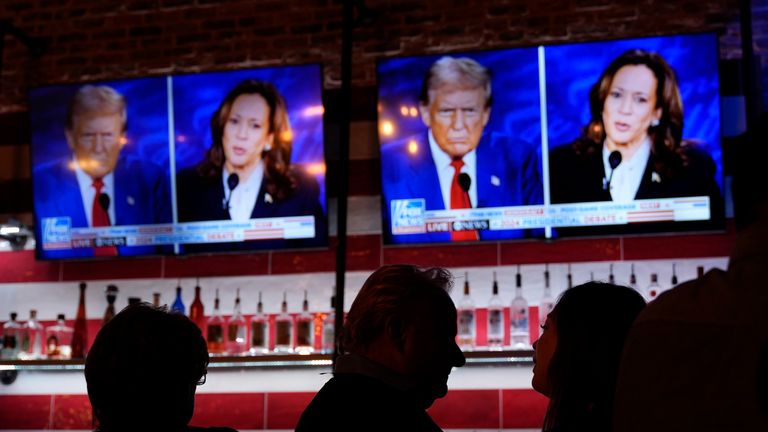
(450,70)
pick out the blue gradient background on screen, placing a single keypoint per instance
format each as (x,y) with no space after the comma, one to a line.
(573,69)
(147,109)
(515,88)
(196,97)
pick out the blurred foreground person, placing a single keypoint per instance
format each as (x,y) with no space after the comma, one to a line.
(576,359)
(143,369)
(399,346)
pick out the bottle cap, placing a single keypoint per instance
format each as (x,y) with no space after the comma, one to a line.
(60,317)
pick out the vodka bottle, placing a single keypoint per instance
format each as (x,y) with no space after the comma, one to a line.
(547,303)
(111,294)
(329,328)
(33,337)
(674,275)
(518,322)
(259,330)
(305,329)
(237,329)
(80,336)
(216,329)
(466,317)
(495,318)
(284,329)
(611,277)
(197,311)
(12,335)
(178,305)
(58,340)
(654,288)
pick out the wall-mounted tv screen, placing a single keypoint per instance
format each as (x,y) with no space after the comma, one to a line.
(208,162)
(610,137)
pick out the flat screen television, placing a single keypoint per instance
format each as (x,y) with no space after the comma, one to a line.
(599,138)
(208,162)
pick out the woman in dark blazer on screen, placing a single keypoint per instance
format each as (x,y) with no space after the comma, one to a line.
(247,173)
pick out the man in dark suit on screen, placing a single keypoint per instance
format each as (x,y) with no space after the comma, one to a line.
(99,186)
(456,164)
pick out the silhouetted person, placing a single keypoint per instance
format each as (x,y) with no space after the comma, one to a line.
(399,348)
(576,359)
(143,369)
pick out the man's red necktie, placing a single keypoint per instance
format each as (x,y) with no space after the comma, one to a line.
(460,200)
(100,218)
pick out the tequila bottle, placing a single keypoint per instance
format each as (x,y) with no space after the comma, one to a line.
(111,294)
(259,330)
(12,335)
(216,329)
(305,329)
(495,318)
(547,303)
(654,289)
(58,340)
(466,317)
(237,329)
(284,329)
(329,328)
(80,336)
(33,337)
(178,304)
(518,323)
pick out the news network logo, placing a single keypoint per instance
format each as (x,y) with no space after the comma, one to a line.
(56,233)
(408,216)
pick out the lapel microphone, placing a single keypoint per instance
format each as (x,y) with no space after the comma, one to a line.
(104,203)
(232,182)
(465,181)
(614,159)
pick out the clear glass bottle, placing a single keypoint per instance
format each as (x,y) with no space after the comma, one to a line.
(495,318)
(611,277)
(329,328)
(305,329)
(259,330)
(284,329)
(12,337)
(633,278)
(216,329)
(547,302)
(58,340)
(569,278)
(111,294)
(33,338)
(197,311)
(466,319)
(654,289)
(80,336)
(178,304)
(518,320)
(237,330)
(674,275)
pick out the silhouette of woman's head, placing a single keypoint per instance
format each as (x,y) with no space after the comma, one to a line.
(143,369)
(577,357)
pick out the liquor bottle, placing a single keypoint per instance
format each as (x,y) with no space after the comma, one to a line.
(197,311)
(156,299)
(329,328)
(216,329)
(134,301)
(633,278)
(178,305)
(699,272)
(111,294)
(495,318)
(284,329)
(653,289)
(518,322)
(80,336)
(58,340)
(569,278)
(305,329)
(33,337)
(674,275)
(547,303)
(237,331)
(466,316)
(11,339)
(611,277)
(259,330)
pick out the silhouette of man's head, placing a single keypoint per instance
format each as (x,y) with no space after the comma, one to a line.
(404,319)
(143,369)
